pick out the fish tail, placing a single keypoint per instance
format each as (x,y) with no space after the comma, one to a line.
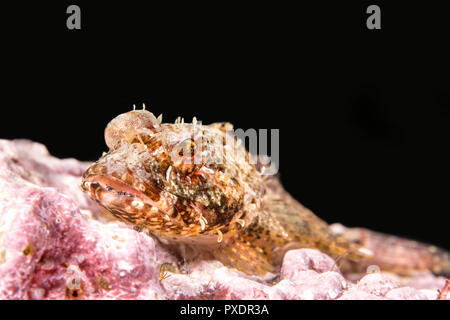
(400,255)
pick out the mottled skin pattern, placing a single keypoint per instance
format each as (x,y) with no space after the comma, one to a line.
(219,203)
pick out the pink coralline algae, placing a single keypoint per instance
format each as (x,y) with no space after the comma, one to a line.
(55,243)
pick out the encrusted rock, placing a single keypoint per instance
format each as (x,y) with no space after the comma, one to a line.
(55,243)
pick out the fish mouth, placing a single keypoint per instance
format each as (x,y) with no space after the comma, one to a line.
(131,205)
(122,199)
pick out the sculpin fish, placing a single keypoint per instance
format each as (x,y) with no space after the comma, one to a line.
(196,186)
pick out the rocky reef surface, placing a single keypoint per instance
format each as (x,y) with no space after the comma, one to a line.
(55,243)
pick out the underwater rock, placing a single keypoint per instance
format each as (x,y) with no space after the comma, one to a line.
(55,243)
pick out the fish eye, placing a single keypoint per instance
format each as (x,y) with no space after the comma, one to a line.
(186,149)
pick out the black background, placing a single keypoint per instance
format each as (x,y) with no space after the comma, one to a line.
(363,114)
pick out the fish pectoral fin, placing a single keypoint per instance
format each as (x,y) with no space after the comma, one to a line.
(244,256)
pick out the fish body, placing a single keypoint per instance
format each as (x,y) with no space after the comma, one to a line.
(197,186)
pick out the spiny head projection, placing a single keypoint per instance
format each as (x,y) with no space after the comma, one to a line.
(182,181)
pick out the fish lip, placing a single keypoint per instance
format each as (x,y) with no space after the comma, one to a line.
(107,182)
(91,183)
